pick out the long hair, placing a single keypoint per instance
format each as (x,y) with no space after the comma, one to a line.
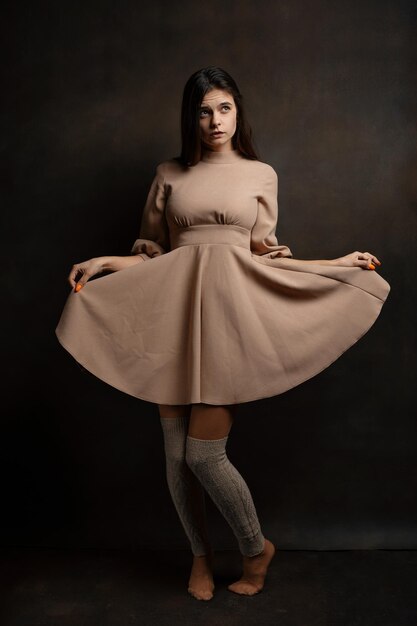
(196,87)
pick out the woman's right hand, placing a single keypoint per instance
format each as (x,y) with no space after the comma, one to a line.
(82,272)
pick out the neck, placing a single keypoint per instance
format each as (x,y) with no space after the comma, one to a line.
(217,156)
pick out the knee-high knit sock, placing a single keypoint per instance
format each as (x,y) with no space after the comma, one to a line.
(208,460)
(186,491)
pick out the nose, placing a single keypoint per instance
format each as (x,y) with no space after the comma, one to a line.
(215,120)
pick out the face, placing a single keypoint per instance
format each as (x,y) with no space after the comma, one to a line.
(217,113)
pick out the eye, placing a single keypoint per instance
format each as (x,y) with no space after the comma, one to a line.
(203,111)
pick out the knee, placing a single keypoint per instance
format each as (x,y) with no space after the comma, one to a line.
(197,455)
(191,458)
(175,454)
(200,454)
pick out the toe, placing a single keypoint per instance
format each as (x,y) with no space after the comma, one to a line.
(200,595)
(244,588)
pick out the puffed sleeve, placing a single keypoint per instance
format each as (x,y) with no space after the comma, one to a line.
(154,233)
(264,241)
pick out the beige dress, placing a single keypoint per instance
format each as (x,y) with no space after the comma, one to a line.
(218,312)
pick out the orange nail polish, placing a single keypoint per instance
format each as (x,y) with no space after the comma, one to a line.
(372,266)
(78,287)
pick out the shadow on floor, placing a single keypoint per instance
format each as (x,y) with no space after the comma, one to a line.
(118,588)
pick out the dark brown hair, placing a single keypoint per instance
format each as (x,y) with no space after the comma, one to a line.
(196,87)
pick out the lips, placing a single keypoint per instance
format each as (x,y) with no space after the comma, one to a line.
(216,134)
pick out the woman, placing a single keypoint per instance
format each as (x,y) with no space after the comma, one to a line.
(210,312)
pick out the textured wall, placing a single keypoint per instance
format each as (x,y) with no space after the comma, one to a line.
(91,104)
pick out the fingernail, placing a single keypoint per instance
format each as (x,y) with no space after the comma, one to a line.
(372,267)
(78,287)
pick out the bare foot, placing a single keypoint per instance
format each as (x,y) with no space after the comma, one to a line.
(254,571)
(201,584)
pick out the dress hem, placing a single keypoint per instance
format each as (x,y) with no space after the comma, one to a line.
(264,396)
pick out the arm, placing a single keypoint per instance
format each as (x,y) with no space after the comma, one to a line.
(82,272)
(320,262)
(116,263)
(154,233)
(264,242)
(154,239)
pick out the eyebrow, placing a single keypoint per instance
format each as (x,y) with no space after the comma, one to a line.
(206,106)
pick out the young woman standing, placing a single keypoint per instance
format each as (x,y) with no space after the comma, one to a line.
(210,312)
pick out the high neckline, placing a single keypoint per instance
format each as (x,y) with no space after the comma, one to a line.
(213,156)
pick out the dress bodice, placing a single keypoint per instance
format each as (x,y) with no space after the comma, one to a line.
(223,188)
(220,189)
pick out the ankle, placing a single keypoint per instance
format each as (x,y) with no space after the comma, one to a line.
(208,552)
(263,557)
(258,554)
(201,557)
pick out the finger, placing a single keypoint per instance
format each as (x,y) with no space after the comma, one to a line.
(366,260)
(73,275)
(373,258)
(80,284)
(369,264)
(364,264)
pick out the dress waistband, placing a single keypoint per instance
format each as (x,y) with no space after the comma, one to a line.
(210,233)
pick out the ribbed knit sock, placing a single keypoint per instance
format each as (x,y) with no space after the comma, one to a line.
(208,460)
(186,491)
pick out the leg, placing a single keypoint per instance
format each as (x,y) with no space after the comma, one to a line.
(186,491)
(206,455)
(174,410)
(188,497)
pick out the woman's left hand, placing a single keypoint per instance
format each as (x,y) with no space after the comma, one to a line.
(358,259)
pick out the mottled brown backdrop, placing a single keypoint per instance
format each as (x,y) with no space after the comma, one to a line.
(91,101)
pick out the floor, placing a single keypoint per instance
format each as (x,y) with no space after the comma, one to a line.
(116,588)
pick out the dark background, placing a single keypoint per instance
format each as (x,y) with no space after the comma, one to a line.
(91,102)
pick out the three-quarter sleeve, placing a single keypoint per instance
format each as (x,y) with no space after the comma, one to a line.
(154,233)
(264,241)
